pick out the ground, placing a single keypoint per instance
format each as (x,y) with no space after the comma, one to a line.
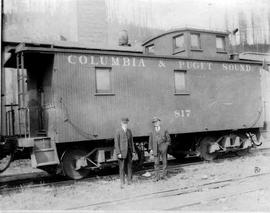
(238,184)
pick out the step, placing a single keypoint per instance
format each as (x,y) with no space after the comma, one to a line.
(44,152)
(28,142)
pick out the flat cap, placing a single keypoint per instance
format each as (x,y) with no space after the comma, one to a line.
(155,119)
(125,120)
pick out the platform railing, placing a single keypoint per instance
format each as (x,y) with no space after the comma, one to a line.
(24,121)
(10,120)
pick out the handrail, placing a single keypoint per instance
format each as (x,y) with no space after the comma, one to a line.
(8,123)
(25,120)
(10,119)
(28,121)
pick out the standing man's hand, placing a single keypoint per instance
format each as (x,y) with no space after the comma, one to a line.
(119,156)
(151,152)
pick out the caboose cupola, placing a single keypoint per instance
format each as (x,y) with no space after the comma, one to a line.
(189,42)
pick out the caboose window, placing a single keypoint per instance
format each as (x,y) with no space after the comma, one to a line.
(103,80)
(220,43)
(195,41)
(150,49)
(179,42)
(180,80)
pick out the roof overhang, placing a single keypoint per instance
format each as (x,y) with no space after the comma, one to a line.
(34,49)
(14,47)
(66,46)
(255,56)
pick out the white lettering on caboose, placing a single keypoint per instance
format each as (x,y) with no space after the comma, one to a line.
(91,60)
(106,61)
(200,65)
(195,65)
(236,67)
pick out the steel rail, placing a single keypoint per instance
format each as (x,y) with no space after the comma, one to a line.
(173,191)
(148,167)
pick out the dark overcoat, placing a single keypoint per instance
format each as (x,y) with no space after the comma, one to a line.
(121,141)
(156,138)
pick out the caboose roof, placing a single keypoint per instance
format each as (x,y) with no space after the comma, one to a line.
(183,30)
(64,45)
(255,56)
(60,46)
(46,48)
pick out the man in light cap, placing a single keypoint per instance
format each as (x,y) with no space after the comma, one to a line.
(124,148)
(159,140)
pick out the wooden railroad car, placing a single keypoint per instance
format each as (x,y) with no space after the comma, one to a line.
(71,99)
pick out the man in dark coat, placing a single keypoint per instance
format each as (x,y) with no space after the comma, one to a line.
(159,141)
(124,148)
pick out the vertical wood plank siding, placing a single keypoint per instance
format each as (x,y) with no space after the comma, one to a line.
(217,100)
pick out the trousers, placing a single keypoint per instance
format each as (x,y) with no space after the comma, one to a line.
(125,168)
(161,152)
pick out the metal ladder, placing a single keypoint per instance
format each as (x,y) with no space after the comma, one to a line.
(23,110)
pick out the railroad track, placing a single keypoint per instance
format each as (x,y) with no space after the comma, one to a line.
(219,197)
(43,180)
(173,193)
(110,174)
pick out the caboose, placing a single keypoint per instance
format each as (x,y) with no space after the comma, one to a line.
(71,99)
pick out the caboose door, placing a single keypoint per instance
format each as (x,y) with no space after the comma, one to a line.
(41,130)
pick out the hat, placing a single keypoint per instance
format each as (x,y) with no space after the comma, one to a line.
(125,120)
(155,119)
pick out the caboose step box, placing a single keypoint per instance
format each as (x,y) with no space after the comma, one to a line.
(44,152)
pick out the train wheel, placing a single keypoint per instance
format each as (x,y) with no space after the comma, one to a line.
(243,152)
(256,138)
(69,164)
(204,148)
(5,161)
